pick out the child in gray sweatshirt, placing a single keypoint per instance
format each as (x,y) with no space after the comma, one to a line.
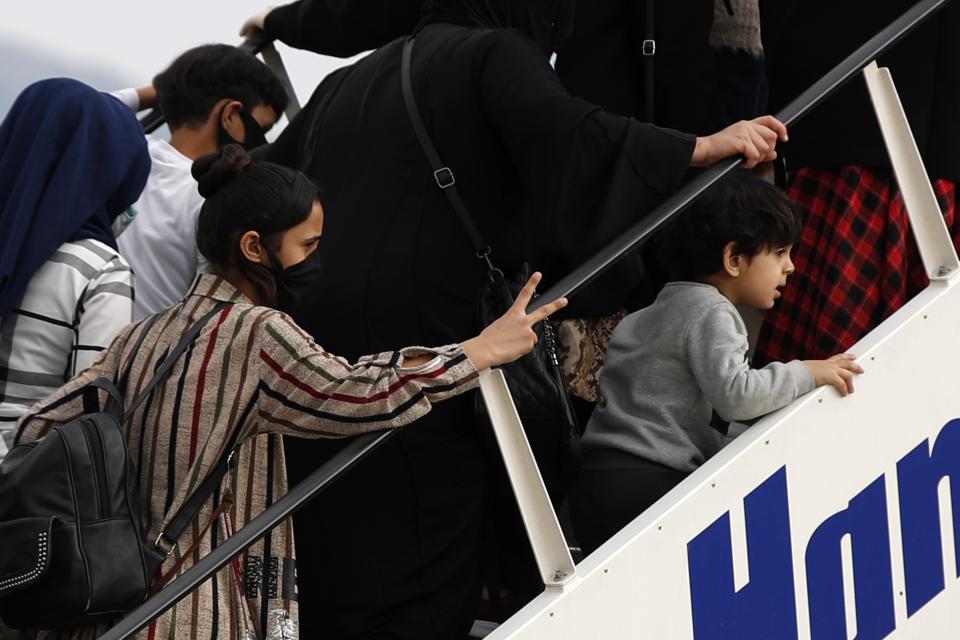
(676,372)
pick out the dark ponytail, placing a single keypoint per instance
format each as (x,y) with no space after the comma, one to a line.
(243,195)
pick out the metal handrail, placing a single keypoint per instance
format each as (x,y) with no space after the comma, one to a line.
(356,450)
(362,446)
(643,230)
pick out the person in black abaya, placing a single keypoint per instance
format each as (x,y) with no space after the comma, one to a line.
(340,28)
(604,61)
(549,179)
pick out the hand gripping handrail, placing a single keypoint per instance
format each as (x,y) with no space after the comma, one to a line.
(362,446)
(645,228)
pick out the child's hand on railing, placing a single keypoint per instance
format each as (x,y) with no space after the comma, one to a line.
(836,371)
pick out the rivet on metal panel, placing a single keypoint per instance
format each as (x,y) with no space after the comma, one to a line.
(559,575)
(942,270)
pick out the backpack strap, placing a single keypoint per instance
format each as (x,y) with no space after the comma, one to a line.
(172,572)
(169,360)
(114,389)
(191,507)
(125,375)
(194,503)
(91,397)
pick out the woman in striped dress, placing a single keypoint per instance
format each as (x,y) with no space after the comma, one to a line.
(254,375)
(72,159)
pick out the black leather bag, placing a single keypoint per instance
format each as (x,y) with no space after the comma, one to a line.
(535,380)
(72,547)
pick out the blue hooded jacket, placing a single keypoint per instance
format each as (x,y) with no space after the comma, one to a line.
(71,160)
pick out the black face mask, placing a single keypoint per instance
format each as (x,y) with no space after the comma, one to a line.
(254,137)
(294,281)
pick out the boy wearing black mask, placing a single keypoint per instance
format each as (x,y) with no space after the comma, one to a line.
(211,96)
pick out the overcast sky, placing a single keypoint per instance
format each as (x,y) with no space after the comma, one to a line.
(131,40)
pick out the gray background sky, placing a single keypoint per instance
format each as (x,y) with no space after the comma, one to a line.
(112,44)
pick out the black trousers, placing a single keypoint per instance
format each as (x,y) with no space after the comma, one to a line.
(611,490)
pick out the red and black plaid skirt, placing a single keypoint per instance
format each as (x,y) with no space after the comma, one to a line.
(856,263)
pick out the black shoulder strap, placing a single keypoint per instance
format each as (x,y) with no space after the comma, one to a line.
(171,358)
(442,174)
(192,506)
(648,52)
(91,397)
(122,377)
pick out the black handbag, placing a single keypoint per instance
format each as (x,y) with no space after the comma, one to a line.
(535,380)
(72,547)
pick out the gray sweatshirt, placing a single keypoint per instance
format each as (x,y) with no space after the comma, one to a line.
(670,365)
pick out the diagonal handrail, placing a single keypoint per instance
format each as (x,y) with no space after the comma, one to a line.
(362,446)
(356,450)
(809,99)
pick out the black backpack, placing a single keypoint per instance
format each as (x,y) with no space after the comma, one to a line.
(72,547)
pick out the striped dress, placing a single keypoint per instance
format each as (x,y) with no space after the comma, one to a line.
(74,306)
(254,371)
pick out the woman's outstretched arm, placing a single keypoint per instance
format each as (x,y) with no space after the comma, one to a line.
(309,392)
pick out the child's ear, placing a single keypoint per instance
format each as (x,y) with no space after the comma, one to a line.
(732,260)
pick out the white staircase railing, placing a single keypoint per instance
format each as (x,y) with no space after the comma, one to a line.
(832,518)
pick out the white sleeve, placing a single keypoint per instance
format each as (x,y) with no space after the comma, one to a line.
(105,309)
(202,263)
(129,97)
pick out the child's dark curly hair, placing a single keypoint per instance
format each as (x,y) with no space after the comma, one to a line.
(740,208)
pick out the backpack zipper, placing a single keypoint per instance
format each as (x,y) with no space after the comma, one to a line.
(95,444)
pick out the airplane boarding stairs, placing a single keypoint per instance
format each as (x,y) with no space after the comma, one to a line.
(830,519)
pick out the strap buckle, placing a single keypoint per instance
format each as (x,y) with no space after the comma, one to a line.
(484,254)
(444,177)
(156,543)
(649,47)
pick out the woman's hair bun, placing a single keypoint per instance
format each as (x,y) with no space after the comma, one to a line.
(217,169)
